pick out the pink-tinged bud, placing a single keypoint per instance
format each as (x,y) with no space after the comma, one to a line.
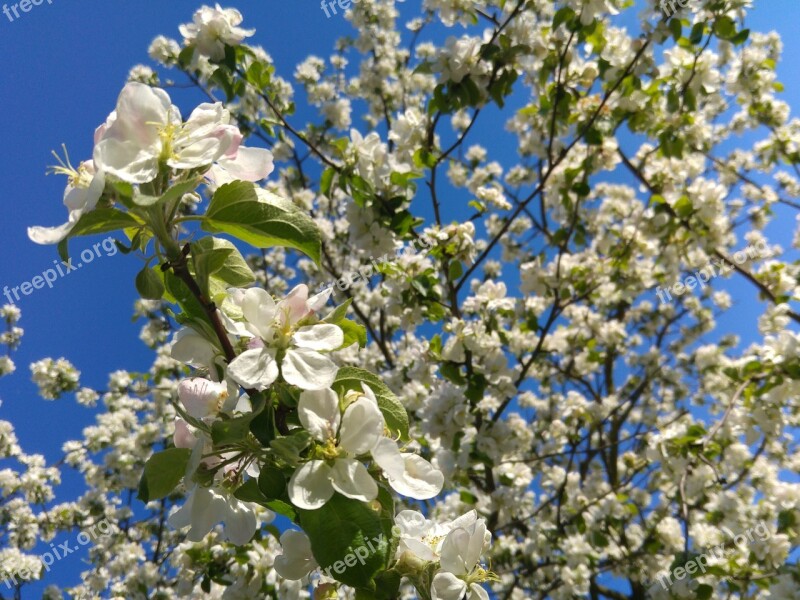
(201,397)
(183,437)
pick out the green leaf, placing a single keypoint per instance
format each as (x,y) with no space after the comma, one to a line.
(231,431)
(387,584)
(263,426)
(272,482)
(185,56)
(149,284)
(676,27)
(250,492)
(423,158)
(452,372)
(162,473)
(289,447)
(177,290)
(740,38)
(282,508)
(180,189)
(339,313)
(100,220)
(235,272)
(683,207)
(351,378)
(176,192)
(354,333)
(703,592)
(725,27)
(340,529)
(696,36)
(593,137)
(468,497)
(599,540)
(263,221)
(326,182)
(360,189)
(455,270)
(206,262)
(562,16)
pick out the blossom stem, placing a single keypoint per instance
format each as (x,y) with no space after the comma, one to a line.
(180,268)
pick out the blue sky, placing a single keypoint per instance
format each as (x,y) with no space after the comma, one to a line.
(62,67)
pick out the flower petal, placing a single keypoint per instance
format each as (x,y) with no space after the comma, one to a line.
(183,516)
(52,235)
(295,305)
(323,336)
(297,561)
(240,522)
(193,349)
(208,509)
(254,368)
(447,586)
(317,301)
(308,369)
(310,486)
(387,456)
(421,479)
(259,310)
(351,479)
(318,411)
(183,436)
(453,552)
(201,397)
(250,164)
(362,427)
(476,592)
(127,161)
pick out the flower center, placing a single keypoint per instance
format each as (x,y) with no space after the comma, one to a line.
(78,178)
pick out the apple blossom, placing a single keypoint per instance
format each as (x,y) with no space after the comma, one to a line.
(344,437)
(275,330)
(146,130)
(85,187)
(459,556)
(214,28)
(201,397)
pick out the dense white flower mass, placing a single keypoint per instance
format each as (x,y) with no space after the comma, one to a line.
(54,377)
(212,29)
(551,393)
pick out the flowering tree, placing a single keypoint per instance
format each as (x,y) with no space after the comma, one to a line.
(483,395)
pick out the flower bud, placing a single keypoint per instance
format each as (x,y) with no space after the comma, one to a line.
(201,397)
